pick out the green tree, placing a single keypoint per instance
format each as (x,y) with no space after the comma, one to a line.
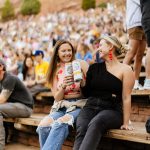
(7,11)
(30,7)
(87,4)
(102,5)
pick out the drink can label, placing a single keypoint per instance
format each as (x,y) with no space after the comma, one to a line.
(77,70)
(68,70)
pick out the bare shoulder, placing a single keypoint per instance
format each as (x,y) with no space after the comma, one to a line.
(126,68)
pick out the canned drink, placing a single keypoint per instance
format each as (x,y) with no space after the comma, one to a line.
(77,74)
(68,70)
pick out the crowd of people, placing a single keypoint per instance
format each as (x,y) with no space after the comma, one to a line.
(34,53)
(23,36)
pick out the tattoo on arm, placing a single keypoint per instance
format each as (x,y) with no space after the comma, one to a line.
(6,93)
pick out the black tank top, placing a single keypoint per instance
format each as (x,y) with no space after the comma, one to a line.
(101,83)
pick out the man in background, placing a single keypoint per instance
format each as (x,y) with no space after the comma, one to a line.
(15,99)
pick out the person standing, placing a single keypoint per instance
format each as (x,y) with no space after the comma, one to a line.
(145,9)
(137,39)
(15,99)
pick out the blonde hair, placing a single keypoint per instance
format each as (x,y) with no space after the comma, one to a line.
(114,41)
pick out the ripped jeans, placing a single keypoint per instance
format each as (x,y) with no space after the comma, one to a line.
(53,136)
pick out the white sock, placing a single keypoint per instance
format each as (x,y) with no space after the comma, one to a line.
(136,81)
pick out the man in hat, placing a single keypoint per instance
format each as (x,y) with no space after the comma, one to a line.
(15,99)
(41,69)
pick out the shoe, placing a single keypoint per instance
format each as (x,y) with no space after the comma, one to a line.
(146,84)
(137,86)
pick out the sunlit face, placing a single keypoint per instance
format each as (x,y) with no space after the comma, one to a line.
(38,58)
(65,53)
(29,62)
(104,48)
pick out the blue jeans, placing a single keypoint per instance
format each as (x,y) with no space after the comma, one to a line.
(53,136)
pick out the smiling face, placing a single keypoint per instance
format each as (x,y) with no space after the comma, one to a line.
(29,62)
(104,48)
(65,53)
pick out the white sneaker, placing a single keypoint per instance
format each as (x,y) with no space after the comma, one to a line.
(137,86)
(146,84)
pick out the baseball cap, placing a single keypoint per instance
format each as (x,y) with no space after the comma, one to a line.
(3,63)
(39,52)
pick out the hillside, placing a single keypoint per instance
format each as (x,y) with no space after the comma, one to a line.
(60,5)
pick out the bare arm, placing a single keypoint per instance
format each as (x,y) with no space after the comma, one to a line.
(128,83)
(84,67)
(4,95)
(41,81)
(59,93)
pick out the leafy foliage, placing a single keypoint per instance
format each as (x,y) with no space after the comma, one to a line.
(87,4)
(30,7)
(102,5)
(7,11)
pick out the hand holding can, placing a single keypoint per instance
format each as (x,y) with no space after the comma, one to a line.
(68,74)
(77,74)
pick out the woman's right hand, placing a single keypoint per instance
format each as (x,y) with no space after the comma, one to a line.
(68,80)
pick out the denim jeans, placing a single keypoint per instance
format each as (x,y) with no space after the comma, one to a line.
(12,110)
(53,136)
(94,120)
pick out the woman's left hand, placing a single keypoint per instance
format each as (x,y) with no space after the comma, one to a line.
(126,127)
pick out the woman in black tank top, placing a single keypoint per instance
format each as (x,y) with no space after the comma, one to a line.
(108,88)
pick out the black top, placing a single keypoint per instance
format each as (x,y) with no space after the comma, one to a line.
(101,83)
(19,92)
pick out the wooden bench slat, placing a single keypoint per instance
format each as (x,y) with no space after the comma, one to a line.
(134,92)
(141,92)
(34,120)
(137,135)
(43,94)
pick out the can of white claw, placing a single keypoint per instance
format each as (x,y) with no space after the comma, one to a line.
(69,70)
(77,74)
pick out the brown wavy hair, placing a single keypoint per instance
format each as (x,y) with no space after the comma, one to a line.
(54,61)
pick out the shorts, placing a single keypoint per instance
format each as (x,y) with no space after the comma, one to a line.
(136,33)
